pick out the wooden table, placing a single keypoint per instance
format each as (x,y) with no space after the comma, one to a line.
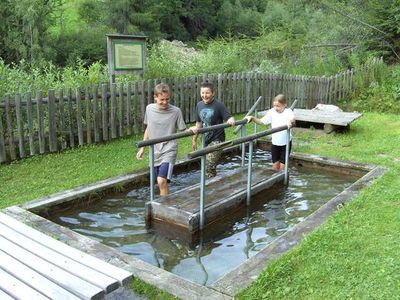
(331,121)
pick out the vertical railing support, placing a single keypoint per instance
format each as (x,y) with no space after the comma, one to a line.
(243,145)
(249,172)
(285,181)
(151,158)
(202,183)
(255,124)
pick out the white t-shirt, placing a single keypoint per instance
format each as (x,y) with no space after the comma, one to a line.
(278,119)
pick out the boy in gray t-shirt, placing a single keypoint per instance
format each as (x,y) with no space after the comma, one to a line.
(162,119)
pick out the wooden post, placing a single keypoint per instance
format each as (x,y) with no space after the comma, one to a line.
(52,121)
(96,116)
(70,118)
(79,116)
(40,120)
(62,129)
(104,111)
(29,112)
(3,157)
(20,126)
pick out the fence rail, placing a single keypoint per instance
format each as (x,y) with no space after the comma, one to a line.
(39,124)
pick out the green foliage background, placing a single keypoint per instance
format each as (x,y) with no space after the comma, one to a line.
(59,43)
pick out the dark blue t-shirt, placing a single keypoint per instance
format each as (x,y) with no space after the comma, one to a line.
(212,114)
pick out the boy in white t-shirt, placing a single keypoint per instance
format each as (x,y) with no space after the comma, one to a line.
(279,115)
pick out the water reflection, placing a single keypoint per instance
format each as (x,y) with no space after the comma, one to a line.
(118,221)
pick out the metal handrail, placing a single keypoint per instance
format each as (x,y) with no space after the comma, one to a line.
(186,133)
(237,141)
(248,113)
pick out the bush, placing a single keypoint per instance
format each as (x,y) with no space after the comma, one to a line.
(383,92)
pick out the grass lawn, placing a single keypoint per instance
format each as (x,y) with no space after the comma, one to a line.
(354,255)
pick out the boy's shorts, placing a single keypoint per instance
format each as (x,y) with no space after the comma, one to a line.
(164,170)
(278,152)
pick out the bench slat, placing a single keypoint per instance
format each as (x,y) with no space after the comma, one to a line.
(33,279)
(120,274)
(68,281)
(106,283)
(18,289)
(5,296)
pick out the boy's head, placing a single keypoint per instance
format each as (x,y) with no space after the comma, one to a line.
(161,95)
(207,92)
(279,103)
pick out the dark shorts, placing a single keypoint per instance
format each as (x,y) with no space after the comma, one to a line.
(164,170)
(278,152)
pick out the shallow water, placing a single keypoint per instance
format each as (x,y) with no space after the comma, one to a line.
(118,221)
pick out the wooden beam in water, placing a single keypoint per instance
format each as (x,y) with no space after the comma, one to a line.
(224,194)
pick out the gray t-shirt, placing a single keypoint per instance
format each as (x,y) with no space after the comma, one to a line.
(161,123)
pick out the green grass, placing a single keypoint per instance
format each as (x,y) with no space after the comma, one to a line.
(354,255)
(42,175)
(152,293)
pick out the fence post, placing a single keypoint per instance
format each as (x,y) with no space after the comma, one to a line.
(52,121)
(40,120)
(3,156)
(79,115)
(96,123)
(87,111)
(104,111)
(62,120)
(20,125)
(70,119)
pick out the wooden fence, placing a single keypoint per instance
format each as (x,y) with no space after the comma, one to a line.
(34,124)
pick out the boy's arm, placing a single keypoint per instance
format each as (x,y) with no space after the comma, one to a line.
(139,154)
(194,138)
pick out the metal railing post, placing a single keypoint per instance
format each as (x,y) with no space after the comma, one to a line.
(249,172)
(255,124)
(243,145)
(285,181)
(202,183)
(151,157)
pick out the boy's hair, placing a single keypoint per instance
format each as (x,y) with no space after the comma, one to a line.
(161,88)
(280,99)
(207,84)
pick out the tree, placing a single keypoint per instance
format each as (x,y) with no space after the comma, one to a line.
(24,30)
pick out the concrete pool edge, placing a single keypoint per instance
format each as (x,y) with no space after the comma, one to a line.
(231,283)
(248,271)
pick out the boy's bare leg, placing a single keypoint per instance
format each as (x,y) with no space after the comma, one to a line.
(163,186)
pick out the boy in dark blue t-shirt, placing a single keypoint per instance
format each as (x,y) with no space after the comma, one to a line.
(211,111)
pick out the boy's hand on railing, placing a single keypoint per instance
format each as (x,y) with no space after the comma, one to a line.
(194,129)
(139,155)
(231,121)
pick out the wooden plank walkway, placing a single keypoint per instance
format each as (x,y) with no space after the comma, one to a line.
(36,266)
(223,194)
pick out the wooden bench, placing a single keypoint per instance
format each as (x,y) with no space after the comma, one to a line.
(36,266)
(331,120)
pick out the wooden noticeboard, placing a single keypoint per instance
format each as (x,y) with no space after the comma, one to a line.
(126,54)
